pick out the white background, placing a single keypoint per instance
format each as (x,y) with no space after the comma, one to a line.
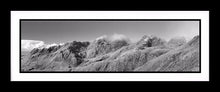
(16,76)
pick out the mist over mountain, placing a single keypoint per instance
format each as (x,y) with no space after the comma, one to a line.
(116,54)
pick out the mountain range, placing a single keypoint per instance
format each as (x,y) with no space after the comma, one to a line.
(150,53)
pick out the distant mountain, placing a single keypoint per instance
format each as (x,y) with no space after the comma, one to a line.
(177,41)
(150,53)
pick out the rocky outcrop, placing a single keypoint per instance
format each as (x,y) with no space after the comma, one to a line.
(183,58)
(129,57)
(124,61)
(56,58)
(150,53)
(104,46)
(149,41)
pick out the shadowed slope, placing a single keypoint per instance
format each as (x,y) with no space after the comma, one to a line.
(150,53)
(183,58)
(56,58)
(104,46)
(128,57)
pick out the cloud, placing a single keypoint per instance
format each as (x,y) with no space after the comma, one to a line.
(113,37)
(116,36)
(28,45)
(101,37)
(50,45)
(61,44)
(47,45)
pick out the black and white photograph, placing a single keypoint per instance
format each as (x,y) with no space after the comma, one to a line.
(110,45)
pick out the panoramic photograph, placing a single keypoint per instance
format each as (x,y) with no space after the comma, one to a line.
(110,46)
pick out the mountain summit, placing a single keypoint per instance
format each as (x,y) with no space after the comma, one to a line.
(150,53)
(56,58)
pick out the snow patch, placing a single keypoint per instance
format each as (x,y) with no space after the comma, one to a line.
(28,45)
(49,45)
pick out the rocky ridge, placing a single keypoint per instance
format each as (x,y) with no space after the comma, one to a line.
(150,53)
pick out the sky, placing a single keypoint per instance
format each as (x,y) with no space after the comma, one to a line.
(50,32)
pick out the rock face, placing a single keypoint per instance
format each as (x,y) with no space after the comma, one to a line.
(129,57)
(183,58)
(56,58)
(150,53)
(104,46)
(150,41)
